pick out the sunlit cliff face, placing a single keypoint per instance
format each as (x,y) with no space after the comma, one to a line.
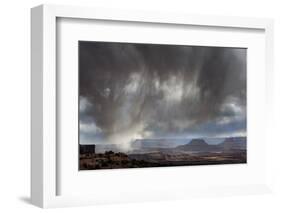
(134,91)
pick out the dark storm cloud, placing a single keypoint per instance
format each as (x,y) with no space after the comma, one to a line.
(143,89)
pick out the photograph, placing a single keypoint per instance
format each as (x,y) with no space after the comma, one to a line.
(159,105)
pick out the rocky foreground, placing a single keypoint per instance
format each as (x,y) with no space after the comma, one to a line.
(111,160)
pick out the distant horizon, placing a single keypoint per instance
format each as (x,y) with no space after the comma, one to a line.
(245,136)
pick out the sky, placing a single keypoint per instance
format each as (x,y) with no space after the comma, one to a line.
(136,91)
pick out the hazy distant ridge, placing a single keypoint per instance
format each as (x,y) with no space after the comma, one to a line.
(197,145)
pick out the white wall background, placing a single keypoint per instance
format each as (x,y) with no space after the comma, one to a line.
(15,104)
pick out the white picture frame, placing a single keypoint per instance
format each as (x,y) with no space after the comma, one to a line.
(44,154)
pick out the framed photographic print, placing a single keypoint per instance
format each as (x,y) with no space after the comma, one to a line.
(148,105)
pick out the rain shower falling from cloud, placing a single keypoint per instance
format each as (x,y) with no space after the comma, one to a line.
(134,91)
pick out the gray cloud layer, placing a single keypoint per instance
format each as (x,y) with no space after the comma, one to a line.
(130,91)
